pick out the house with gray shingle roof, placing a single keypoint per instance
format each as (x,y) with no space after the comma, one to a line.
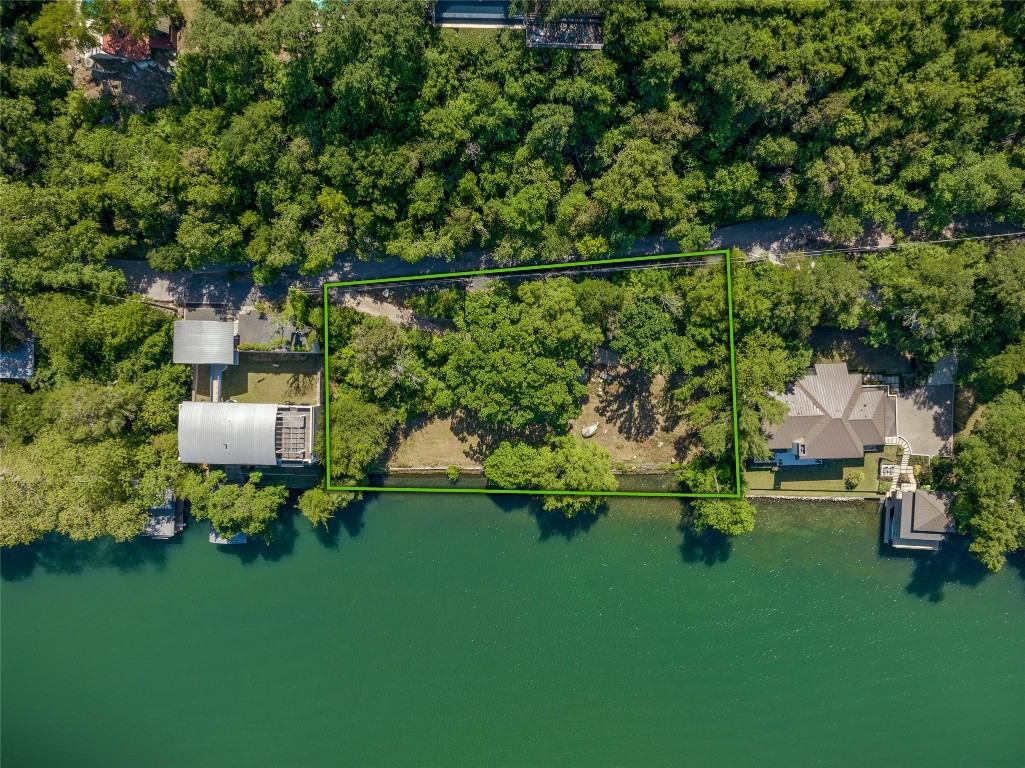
(833,415)
(918,519)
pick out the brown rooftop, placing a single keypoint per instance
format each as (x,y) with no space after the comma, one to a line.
(833,415)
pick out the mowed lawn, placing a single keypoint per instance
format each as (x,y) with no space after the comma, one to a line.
(253,381)
(827,477)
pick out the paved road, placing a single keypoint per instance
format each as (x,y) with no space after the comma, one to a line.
(233,286)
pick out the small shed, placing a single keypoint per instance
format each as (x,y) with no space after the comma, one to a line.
(204,342)
(19,364)
(918,519)
(165,520)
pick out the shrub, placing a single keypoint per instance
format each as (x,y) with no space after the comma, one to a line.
(452,473)
(853,479)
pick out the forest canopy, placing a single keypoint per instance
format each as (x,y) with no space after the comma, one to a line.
(298,133)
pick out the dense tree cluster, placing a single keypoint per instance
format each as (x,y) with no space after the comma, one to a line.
(91,446)
(564,464)
(991,481)
(301,131)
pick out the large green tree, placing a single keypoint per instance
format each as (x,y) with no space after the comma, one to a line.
(925,298)
(359,434)
(991,481)
(515,361)
(233,509)
(565,464)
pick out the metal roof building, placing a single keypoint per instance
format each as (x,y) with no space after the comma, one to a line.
(227,433)
(474,13)
(833,415)
(204,342)
(246,434)
(918,519)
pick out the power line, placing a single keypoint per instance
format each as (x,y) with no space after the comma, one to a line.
(761,257)
(893,246)
(147,302)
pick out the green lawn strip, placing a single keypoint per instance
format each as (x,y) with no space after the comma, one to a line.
(827,477)
(256,382)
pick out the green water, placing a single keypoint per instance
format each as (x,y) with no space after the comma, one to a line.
(441,631)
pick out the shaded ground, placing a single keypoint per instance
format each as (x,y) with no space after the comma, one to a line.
(925,415)
(430,442)
(381,307)
(832,345)
(925,419)
(139,86)
(267,331)
(635,418)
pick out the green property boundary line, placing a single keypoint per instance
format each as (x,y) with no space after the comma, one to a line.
(511,271)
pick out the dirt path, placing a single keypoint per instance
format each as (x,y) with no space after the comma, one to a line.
(233,286)
(399,315)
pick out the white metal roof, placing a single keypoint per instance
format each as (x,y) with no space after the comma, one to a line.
(204,342)
(227,433)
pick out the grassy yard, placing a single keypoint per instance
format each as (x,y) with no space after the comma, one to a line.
(825,478)
(430,442)
(262,382)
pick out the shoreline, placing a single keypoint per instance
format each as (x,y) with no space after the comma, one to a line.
(478,471)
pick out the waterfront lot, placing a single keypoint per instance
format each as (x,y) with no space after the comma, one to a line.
(448,374)
(636,422)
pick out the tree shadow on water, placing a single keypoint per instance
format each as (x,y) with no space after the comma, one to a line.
(935,570)
(348,519)
(58,554)
(552,523)
(707,546)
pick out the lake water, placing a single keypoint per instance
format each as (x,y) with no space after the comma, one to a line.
(464,631)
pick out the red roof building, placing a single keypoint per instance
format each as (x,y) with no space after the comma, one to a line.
(121,43)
